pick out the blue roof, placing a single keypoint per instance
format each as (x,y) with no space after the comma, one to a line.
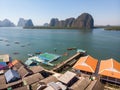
(11,75)
(3,63)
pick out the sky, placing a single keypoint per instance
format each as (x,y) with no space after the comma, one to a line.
(104,12)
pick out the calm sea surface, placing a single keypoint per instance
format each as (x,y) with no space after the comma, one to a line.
(99,43)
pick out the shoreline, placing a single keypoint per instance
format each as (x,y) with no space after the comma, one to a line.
(113,28)
(42,27)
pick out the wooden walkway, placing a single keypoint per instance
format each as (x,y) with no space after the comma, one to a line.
(64,63)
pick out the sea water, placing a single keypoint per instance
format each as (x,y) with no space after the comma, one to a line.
(99,43)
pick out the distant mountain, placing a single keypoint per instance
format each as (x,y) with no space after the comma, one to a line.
(29,23)
(45,24)
(85,20)
(6,23)
(25,23)
(21,22)
(54,22)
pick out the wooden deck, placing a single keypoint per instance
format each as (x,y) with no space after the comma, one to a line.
(69,62)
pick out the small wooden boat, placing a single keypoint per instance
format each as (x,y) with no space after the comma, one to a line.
(81,51)
(30,55)
(1,39)
(72,48)
(15,53)
(6,40)
(23,46)
(17,42)
(38,52)
(7,44)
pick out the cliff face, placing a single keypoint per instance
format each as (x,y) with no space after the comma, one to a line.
(28,23)
(63,23)
(21,22)
(46,25)
(54,22)
(85,20)
(69,21)
(25,23)
(6,23)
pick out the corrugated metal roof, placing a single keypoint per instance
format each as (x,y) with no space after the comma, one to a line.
(66,77)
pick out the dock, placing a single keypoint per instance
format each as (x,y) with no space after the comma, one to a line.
(68,63)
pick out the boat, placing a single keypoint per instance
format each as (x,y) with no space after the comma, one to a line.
(30,55)
(15,53)
(72,48)
(23,46)
(16,42)
(38,52)
(81,51)
(7,44)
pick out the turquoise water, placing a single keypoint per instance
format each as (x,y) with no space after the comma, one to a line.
(99,43)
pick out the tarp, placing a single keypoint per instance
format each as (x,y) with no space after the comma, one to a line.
(11,75)
(3,65)
(48,56)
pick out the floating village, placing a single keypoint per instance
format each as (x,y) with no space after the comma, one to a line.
(79,72)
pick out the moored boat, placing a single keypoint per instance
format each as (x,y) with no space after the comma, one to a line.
(72,48)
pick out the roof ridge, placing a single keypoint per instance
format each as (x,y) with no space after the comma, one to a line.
(86,58)
(112,68)
(88,64)
(112,63)
(84,62)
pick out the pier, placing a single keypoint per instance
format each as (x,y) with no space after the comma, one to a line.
(68,63)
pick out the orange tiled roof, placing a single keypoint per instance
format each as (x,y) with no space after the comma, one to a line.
(86,63)
(110,68)
(15,62)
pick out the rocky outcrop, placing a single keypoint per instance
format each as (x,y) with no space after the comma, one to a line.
(63,23)
(54,22)
(21,22)
(6,23)
(69,21)
(29,23)
(25,23)
(45,24)
(85,20)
